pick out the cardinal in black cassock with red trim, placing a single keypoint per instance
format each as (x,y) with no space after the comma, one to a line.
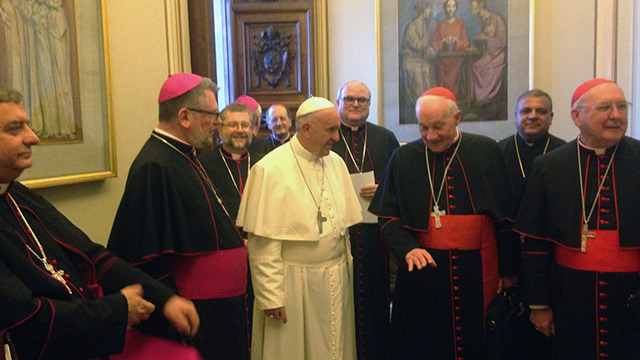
(580,215)
(438,204)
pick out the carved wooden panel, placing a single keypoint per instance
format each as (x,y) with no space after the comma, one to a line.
(272,49)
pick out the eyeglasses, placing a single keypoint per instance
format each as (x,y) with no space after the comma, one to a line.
(214,114)
(352,99)
(607,107)
(235,126)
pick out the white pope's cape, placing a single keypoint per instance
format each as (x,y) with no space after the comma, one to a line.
(292,263)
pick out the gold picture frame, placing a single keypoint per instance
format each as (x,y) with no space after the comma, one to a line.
(94,157)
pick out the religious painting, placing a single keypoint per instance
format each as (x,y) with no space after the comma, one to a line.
(477,49)
(55,53)
(38,57)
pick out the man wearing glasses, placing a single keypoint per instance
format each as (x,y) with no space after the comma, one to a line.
(173,224)
(579,216)
(366,148)
(228,165)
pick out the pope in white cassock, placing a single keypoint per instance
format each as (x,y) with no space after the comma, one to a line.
(296,207)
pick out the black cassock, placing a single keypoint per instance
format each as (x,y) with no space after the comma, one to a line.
(588,295)
(529,343)
(44,320)
(439,312)
(527,154)
(171,225)
(231,189)
(259,145)
(370,259)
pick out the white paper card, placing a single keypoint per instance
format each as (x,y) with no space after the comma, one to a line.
(360,180)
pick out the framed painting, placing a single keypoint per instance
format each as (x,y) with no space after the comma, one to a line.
(56,54)
(480,50)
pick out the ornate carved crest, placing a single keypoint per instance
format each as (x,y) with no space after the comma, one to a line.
(271,57)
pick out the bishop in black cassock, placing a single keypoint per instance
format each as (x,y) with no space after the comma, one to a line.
(44,319)
(228,167)
(439,309)
(61,295)
(173,224)
(534,115)
(366,147)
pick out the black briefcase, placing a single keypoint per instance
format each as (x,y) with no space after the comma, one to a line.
(510,333)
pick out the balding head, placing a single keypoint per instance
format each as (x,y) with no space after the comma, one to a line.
(354,100)
(601,114)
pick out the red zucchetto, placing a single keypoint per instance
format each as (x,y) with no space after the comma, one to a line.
(440,91)
(586,86)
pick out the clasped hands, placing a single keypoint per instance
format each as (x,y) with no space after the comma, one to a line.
(180,312)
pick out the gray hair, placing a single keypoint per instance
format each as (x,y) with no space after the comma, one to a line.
(301,120)
(344,87)
(10,95)
(254,115)
(194,98)
(452,107)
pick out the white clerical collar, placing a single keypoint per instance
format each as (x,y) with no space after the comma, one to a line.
(4,188)
(300,150)
(282,141)
(598,151)
(162,132)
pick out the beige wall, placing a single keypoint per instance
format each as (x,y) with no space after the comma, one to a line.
(138,68)
(563,58)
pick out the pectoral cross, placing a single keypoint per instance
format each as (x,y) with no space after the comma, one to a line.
(436,214)
(585,234)
(57,274)
(320,220)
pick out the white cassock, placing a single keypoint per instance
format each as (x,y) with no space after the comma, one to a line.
(292,263)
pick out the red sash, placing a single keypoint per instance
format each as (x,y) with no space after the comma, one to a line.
(603,255)
(214,275)
(139,346)
(467,232)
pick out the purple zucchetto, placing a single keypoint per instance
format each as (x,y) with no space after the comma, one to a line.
(178,84)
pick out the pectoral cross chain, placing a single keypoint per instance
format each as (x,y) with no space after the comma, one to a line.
(57,274)
(320,219)
(436,214)
(585,234)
